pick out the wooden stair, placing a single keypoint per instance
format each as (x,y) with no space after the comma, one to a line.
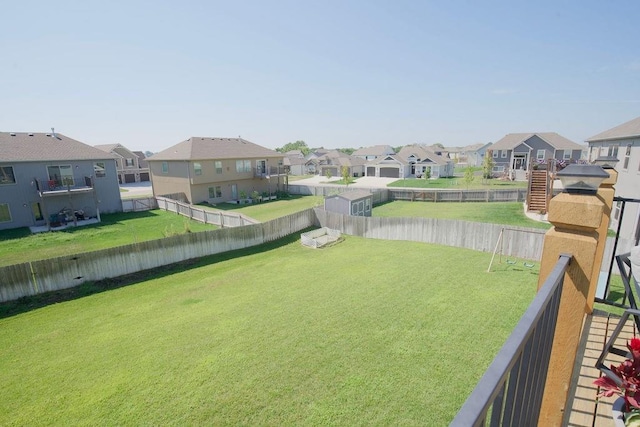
(539,191)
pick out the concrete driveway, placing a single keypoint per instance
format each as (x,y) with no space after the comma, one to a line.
(136,189)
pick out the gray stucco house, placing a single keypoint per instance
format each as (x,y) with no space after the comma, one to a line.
(623,142)
(516,151)
(43,174)
(354,203)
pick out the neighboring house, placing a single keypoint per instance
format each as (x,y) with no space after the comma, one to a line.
(389,166)
(43,174)
(128,163)
(216,170)
(420,158)
(373,153)
(142,159)
(623,142)
(294,162)
(473,155)
(516,151)
(318,152)
(332,163)
(354,203)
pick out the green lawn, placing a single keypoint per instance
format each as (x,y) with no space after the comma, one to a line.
(19,245)
(457,183)
(507,213)
(273,209)
(277,335)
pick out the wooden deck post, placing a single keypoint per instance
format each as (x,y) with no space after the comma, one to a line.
(575,218)
(605,194)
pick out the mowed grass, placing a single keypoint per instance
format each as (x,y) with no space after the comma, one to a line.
(457,183)
(274,208)
(19,245)
(507,213)
(353,334)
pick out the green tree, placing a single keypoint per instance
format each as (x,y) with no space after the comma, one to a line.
(298,145)
(328,174)
(427,173)
(348,151)
(487,165)
(468,176)
(346,178)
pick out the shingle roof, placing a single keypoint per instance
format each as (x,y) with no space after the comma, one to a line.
(422,153)
(558,142)
(630,129)
(30,147)
(200,148)
(354,194)
(106,147)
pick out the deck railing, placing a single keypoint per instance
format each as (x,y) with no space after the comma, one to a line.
(510,392)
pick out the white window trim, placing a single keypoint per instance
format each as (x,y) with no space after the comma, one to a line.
(503,154)
(539,156)
(566,155)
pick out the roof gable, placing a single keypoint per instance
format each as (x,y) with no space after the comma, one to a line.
(630,129)
(512,140)
(201,148)
(33,147)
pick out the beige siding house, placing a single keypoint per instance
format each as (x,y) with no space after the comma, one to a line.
(128,163)
(217,170)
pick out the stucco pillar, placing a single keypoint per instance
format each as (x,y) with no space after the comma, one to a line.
(606,192)
(575,218)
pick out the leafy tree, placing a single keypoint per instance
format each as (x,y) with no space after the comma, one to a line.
(398,148)
(328,174)
(348,151)
(346,178)
(437,144)
(487,165)
(148,153)
(427,173)
(298,145)
(468,176)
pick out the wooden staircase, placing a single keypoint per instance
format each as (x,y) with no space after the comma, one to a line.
(539,191)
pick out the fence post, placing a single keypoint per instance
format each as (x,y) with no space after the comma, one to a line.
(575,218)
(606,192)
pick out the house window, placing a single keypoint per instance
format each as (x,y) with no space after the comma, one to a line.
(197,168)
(5,213)
(566,155)
(99,169)
(243,166)
(128,162)
(495,153)
(218,165)
(165,167)
(61,175)
(503,154)
(6,175)
(616,210)
(613,151)
(540,154)
(627,155)
(215,192)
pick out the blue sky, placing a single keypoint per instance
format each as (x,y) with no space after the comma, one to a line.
(332,73)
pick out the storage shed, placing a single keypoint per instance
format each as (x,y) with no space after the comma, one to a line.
(354,203)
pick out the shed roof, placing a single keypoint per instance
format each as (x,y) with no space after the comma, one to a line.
(354,195)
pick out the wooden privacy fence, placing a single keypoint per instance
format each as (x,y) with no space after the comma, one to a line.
(221,218)
(139,204)
(518,242)
(423,195)
(37,277)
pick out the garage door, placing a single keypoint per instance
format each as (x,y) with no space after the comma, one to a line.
(389,172)
(129,177)
(144,176)
(371,171)
(332,171)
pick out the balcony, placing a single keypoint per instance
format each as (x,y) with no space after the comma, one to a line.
(270,171)
(64,186)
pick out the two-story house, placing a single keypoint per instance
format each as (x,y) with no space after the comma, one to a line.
(216,170)
(46,175)
(374,152)
(623,142)
(128,163)
(332,163)
(514,153)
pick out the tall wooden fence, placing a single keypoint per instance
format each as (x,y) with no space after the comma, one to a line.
(423,195)
(36,277)
(518,242)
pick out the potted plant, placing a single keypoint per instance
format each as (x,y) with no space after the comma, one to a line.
(624,381)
